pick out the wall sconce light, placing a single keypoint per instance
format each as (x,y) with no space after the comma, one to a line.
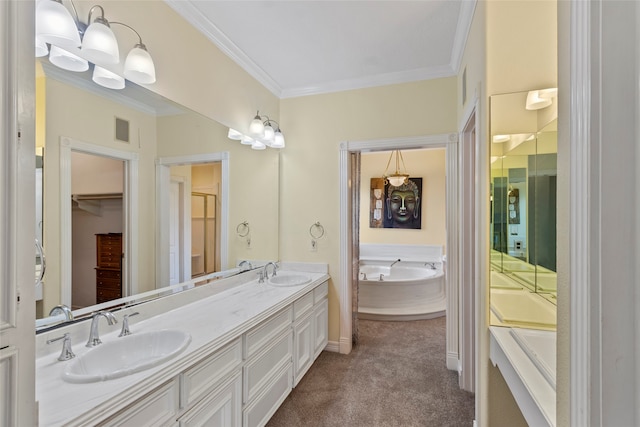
(397,178)
(73,44)
(542,98)
(262,134)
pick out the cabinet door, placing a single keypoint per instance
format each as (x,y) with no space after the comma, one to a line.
(222,408)
(303,344)
(158,408)
(321,327)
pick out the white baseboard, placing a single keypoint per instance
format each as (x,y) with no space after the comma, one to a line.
(333,346)
(453,364)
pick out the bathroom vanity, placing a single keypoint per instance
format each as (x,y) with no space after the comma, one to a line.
(251,343)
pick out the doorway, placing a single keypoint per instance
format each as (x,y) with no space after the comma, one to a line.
(347,243)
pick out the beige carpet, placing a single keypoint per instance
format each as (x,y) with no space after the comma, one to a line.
(396,376)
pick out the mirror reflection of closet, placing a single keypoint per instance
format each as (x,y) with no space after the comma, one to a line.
(97,223)
(203,234)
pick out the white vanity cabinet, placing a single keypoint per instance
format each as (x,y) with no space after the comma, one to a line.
(241,383)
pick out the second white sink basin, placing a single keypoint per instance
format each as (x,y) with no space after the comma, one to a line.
(289,279)
(125,356)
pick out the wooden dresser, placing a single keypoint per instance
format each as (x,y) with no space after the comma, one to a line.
(109,267)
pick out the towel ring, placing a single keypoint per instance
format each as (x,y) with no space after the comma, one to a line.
(318,229)
(243,229)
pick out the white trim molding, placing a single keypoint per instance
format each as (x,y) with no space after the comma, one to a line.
(446,141)
(130,207)
(163,181)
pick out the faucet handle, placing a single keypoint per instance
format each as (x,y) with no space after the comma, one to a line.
(66,353)
(261,276)
(125,324)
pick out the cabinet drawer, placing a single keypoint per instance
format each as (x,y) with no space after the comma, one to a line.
(259,371)
(108,274)
(268,402)
(320,292)
(158,408)
(220,409)
(266,331)
(108,283)
(302,305)
(205,375)
(103,295)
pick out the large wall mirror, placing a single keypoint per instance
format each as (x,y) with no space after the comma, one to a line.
(523,210)
(140,191)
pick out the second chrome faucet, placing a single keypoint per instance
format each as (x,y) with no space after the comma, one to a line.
(94,337)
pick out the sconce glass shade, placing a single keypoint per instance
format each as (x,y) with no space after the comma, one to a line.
(99,44)
(256,128)
(246,140)
(138,67)
(535,102)
(234,134)
(41,48)
(397,180)
(278,140)
(55,25)
(67,60)
(107,79)
(257,145)
(501,138)
(269,133)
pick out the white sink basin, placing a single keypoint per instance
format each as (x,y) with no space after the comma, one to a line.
(125,356)
(289,279)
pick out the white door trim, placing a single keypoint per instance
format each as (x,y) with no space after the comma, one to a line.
(345,294)
(130,202)
(163,178)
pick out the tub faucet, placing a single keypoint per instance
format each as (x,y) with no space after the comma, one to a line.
(245,266)
(94,338)
(364,275)
(394,263)
(266,269)
(381,277)
(432,265)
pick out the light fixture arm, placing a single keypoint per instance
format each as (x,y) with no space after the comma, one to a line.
(139,44)
(101,19)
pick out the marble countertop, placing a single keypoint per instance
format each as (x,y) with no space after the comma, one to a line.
(212,322)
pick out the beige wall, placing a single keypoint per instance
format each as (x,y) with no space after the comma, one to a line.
(426,164)
(77,114)
(309,183)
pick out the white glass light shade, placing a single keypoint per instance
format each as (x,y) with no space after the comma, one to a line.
(107,79)
(41,48)
(278,140)
(246,140)
(55,25)
(99,44)
(269,133)
(257,145)
(535,102)
(501,138)
(396,180)
(256,128)
(67,60)
(234,134)
(138,67)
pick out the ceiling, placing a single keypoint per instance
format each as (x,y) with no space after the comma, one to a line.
(297,48)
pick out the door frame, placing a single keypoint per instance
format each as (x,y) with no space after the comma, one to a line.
(447,141)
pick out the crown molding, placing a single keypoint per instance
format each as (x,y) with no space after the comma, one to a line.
(194,17)
(465,18)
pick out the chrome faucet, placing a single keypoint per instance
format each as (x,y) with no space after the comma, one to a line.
(394,263)
(61,309)
(266,270)
(432,265)
(245,266)
(66,353)
(125,324)
(94,339)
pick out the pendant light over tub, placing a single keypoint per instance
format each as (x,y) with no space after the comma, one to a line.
(397,178)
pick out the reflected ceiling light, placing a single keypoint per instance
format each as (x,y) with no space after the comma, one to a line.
(67,60)
(263,132)
(56,26)
(501,138)
(397,178)
(106,78)
(542,98)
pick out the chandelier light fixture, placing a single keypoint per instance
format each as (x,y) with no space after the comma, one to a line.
(397,178)
(541,98)
(262,134)
(72,45)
